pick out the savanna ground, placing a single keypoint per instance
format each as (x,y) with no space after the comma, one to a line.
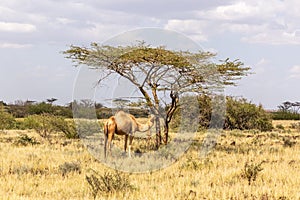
(243,165)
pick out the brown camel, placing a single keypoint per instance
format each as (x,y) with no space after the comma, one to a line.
(123,124)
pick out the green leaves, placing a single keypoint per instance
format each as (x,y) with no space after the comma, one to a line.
(184,68)
(7,121)
(244,115)
(231,71)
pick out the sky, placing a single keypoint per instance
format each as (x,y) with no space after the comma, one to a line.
(264,35)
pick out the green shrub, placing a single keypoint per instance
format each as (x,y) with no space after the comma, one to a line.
(18,111)
(240,114)
(46,124)
(7,121)
(87,127)
(280,126)
(192,110)
(243,115)
(40,108)
(69,129)
(20,125)
(43,124)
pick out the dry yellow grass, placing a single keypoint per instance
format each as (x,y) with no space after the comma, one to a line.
(33,171)
(284,123)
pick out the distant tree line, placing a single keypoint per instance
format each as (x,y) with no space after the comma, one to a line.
(287,111)
(22,109)
(240,113)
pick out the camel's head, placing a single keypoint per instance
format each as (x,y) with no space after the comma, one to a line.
(151,118)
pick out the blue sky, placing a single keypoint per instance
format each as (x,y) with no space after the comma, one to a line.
(263,34)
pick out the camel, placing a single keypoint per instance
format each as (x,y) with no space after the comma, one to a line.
(123,124)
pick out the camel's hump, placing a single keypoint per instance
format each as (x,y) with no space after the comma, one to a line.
(124,122)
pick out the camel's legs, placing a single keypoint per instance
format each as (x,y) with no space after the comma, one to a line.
(105,144)
(109,139)
(130,142)
(125,142)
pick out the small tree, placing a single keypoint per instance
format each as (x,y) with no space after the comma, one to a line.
(157,70)
(7,121)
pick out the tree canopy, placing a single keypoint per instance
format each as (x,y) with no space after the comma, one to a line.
(157,69)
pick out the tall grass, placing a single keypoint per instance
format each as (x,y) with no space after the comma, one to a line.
(59,170)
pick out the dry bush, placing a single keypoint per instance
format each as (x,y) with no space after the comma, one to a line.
(107,182)
(251,171)
(24,140)
(69,167)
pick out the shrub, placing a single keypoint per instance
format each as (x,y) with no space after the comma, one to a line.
(26,169)
(194,164)
(107,183)
(241,114)
(7,121)
(88,127)
(287,142)
(24,140)
(46,124)
(69,167)
(18,111)
(280,126)
(40,108)
(43,124)
(295,126)
(190,109)
(251,171)
(67,127)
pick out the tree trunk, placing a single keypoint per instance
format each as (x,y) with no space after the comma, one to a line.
(174,96)
(157,121)
(166,132)
(158,132)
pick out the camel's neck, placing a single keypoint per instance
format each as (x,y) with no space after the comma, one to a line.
(144,127)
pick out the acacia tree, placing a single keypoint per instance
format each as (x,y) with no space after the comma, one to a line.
(52,100)
(292,107)
(156,70)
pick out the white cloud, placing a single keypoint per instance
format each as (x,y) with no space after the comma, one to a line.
(193,28)
(295,71)
(256,21)
(16,27)
(274,38)
(64,21)
(14,45)
(251,11)
(269,22)
(235,11)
